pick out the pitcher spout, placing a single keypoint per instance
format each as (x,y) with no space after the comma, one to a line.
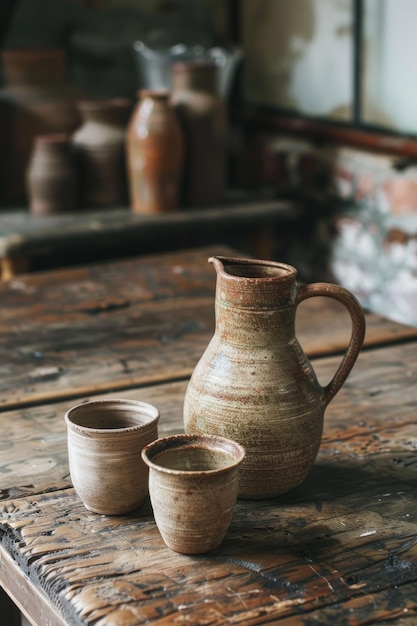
(218,262)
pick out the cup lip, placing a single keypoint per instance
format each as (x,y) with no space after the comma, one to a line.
(150,412)
(192,440)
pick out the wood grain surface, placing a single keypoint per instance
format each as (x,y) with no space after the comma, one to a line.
(117,325)
(342,548)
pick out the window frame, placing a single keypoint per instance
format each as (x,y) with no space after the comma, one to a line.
(355,132)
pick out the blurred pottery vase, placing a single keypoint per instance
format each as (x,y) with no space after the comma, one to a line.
(254,384)
(35,100)
(51,179)
(154,145)
(99,146)
(203,117)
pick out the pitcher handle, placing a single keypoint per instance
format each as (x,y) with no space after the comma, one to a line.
(358,330)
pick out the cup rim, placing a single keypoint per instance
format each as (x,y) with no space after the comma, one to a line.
(236,451)
(149,411)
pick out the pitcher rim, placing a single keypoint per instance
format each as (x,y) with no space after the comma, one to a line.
(219,263)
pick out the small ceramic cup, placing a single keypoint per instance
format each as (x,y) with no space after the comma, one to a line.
(105,441)
(193,484)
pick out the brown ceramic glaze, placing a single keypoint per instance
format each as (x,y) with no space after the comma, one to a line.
(202,114)
(154,154)
(35,100)
(193,485)
(51,179)
(99,145)
(254,383)
(105,441)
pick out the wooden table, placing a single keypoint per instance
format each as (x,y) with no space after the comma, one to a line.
(341,549)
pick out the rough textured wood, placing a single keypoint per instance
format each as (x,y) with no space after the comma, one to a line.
(29,598)
(341,549)
(338,550)
(111,326)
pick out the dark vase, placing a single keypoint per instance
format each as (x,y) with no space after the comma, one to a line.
(99,147)
(51,179)
(202,114)
(154,144)
(34,101)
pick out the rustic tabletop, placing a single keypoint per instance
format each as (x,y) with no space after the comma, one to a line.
(339,549)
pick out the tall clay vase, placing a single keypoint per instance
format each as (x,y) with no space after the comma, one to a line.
(51,179)
(254,383)
(99,146)
(203,117)
(36,100)
(154,145)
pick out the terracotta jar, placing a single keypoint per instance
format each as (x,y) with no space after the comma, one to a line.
(99,145)
(254,384)
(154,144)
(202,114)
(35,101)
(51,179)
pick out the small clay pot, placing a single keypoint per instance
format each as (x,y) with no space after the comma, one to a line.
(193,485)
(51,179)
(105,440)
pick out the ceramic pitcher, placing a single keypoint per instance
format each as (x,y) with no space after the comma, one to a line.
(254,384)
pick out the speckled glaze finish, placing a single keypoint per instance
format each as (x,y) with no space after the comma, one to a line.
(105,441)
(193,485)
(254,383)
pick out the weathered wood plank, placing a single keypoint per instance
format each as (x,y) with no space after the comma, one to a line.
(23,233)
(122,324)
(342,548)
(277,560)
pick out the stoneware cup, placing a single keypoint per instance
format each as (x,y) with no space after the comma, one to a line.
(105,441)
(193,484)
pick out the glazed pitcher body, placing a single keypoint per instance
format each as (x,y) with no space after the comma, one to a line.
(254,384)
